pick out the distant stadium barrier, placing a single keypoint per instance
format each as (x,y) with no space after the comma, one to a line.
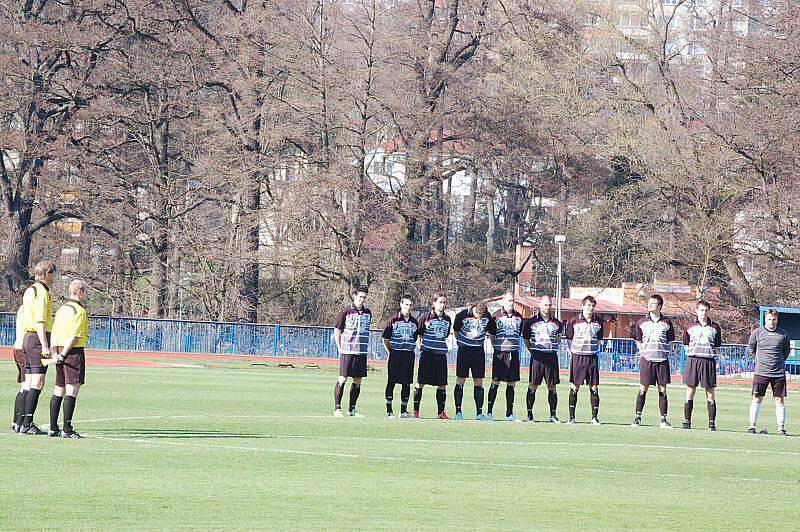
(618,355)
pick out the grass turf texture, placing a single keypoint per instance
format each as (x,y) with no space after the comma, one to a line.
(235,446)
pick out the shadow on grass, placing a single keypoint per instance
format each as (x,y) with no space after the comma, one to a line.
(180,433)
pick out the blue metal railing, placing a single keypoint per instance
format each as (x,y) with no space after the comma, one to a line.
(618,355)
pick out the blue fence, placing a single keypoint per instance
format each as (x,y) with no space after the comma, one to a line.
(618,355)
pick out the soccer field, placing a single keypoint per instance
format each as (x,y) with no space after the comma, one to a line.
(233,446)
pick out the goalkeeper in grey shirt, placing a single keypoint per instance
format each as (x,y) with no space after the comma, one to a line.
(770,347)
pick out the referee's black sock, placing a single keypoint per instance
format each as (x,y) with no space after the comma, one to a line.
(69,409)
(389,396)
(712,412)
(509,400)
(441,396)
(18,402)
(477,394)
(552,398)
(405,392)
(338,392)
(662,404)
(30,406)
(458,396)
(594,398)
(640,402)
(355,390)
(687,410)
(55,408)
(530,398)
(417,398)
(573,402)
(492,397)
(22,398)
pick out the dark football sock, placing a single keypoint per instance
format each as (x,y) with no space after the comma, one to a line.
(18,405)
(640,402)
(687,410)
(441,396)
(55,408)
(509,400)
(355,390)
(662,404)
(530,398)
(338,392)
(417,398)
(22,397)
(552,399)
(458,396)
(389,396)
(30,405)
(573,402)
(405,392)
(594,399)
(477,394)
(712,412)
(69,409)
(492,397)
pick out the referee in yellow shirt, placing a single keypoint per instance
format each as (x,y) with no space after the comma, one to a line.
(70,330)
(38,322)
(19,360)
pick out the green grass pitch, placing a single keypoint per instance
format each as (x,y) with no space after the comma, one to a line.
(231,446)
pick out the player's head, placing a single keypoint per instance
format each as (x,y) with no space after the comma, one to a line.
(588,303)
(702,309)
(545,304)
(77,289)
(405,304)
(359,295)
(771,318)
(508,301)
(43,271)
(438,302)
(480,309)
(654,303)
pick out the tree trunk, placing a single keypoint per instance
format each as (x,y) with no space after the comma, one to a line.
(249,291)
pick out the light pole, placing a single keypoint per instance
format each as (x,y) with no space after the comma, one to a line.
(559,239)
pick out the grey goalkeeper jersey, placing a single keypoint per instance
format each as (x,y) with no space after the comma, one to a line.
(771,349)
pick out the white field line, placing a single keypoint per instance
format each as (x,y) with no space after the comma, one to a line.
(459,442)
(474,463)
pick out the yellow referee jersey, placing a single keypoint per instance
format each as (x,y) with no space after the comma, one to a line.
(71,320)
(20,328)
(38,307)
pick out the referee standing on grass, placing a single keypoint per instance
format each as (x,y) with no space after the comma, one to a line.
(70,332)
(36,344)
(770,347)
(19,360)
(351,334)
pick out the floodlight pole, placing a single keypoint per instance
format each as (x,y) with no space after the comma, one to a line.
(559,239)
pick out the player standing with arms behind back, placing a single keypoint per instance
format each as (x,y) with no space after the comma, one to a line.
(351,334)
(38,324)
(702,339)
(654,333)
(584,333)
(770,346)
